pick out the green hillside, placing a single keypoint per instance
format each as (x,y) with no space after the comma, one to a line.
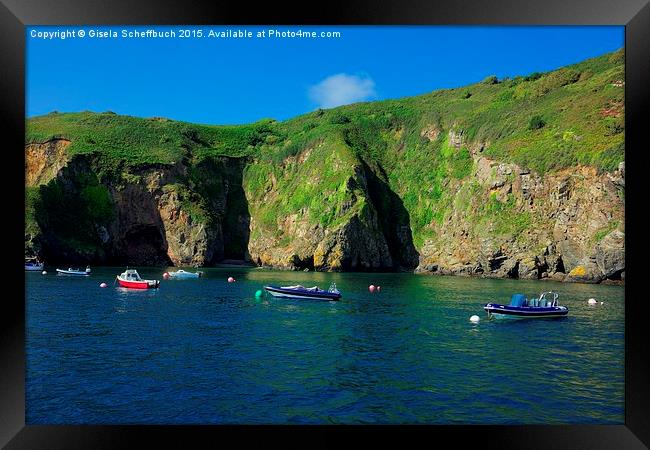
(572,103)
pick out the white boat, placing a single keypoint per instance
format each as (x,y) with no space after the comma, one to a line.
(33,264)
(72,271)
(180,273)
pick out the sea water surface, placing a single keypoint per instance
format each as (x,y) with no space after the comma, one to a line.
(207,351)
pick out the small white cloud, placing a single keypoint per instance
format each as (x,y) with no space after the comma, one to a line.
(342,89)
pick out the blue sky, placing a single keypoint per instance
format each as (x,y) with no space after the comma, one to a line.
(230,81)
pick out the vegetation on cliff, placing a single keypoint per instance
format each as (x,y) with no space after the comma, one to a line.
(402,167)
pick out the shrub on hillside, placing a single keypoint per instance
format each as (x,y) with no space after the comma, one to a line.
(339,119)
(536,122)
(492,79)
(533,76)
(613,127)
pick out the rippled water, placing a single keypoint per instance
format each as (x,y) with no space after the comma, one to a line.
(206,351)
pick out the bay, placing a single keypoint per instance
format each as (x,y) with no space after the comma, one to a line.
(207,351)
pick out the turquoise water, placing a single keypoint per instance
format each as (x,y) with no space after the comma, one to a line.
(206,351)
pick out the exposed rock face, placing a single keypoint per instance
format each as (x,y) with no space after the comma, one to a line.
(137,231)
(152,223)
(567,213)
(187,243)
(358,245)
(44,161)
(610,254)
(566,225)
(361,242)
(431,132)
(456,138)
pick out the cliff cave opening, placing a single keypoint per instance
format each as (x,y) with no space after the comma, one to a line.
(617,276)
(514,271)
(303,264)
(145,246)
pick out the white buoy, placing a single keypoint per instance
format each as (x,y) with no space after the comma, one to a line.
(231,280)
(602,303)
(474,319)
(592,301)
(44,272)
(371,288)
(103,285)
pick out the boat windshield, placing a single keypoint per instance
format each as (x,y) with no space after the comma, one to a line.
(545,300)
(133,276)
(518,300)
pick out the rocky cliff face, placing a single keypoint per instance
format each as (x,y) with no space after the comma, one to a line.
(568,225)
(358,240)
(155,219)
(43,161)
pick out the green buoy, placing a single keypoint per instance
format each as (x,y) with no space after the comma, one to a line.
(259,294)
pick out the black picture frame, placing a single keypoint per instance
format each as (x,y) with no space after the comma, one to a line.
(16,14)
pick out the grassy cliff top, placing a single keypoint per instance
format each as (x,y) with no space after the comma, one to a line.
(570,116)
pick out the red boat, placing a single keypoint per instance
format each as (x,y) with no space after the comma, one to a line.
(131,279)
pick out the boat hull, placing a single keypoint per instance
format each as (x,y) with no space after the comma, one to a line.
(515,312)
(144,284)
(302,294)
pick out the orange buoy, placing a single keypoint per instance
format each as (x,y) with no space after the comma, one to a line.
(372,288)
(166,275)
(231,280)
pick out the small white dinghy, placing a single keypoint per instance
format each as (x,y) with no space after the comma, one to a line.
(33,264)
(181,274)
(71,271)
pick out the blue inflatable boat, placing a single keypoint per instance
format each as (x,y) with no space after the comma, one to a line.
(520,307)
